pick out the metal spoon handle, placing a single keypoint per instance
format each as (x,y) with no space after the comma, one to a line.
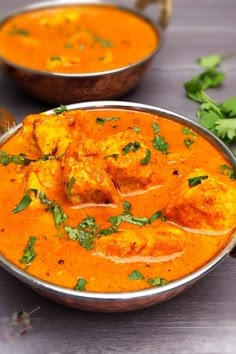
(7,121)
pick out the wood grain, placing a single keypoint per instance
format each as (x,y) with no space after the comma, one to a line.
(203,319)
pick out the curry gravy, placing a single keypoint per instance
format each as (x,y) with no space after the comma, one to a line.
(144,200)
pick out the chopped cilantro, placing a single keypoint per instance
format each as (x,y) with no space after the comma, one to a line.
(60,109)
(226,170)
(157,215)
(58,214)
(18,32)
(29,253)
(194,181)
(157,281)
(147,157)
(102,121)
(155,128)
(188,142)
(131,147)
(69,185)
(136,275)
(80,285)
(25,201)
(160,144)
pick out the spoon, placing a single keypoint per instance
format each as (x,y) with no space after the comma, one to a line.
(7,121)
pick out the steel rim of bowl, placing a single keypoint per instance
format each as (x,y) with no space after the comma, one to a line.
(58,3)
(37,283)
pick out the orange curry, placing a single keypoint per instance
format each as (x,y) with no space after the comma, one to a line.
(77,39)
(112,200)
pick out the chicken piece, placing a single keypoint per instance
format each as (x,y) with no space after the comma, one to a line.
(53,133)
(91,184)
(45,176)
(59,18)
(209,205)
(133,243)
(27,134)
(124,153)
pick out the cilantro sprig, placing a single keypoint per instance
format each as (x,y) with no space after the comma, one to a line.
(219,118)
(157,281)
(29,253)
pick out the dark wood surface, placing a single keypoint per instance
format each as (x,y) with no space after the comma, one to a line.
(203,319)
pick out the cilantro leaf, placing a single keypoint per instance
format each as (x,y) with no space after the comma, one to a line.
(157,215)
(81,285)
(69,185)
(229,107)
(146,158)
(157,281)
(226,170)
(84,233)
(135,275)
(226,128)
(58,214)
(212,61)
(25,201)
(160,144)
(194,181)
(102,121)
(29,253)
(62,108)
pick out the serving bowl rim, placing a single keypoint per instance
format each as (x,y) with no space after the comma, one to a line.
(96,74)
(37,283)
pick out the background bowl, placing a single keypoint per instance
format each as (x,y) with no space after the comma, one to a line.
(60,88)
(125,301)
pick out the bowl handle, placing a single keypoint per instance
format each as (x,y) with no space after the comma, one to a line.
(165,10)
(7,121)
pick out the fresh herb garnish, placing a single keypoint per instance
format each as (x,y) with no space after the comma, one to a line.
(136,129)
(226,170)
(155,128)
(58,215)
(18,32)
(25,201)
(127,206)
(60,109)
(29,253)
(84,233)
(160,144)
(147,157)
(115,156)
(102,121)
(135,275)
(188,131)
(131,147)
(68,45)
(81,285)
(55,58)
(194,181)
(219,118)
(188,142)
(69,185)
(157,215)
(157,281)
(103,42)
(131,219)
(21,159)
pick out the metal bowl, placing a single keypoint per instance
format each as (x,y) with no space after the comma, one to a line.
(125,301)
(60,88)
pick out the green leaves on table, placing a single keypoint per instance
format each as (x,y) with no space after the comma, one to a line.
(219,118)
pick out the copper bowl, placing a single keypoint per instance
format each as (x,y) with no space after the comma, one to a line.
(60,88)
(133,300)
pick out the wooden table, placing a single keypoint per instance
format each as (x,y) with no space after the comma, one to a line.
(203,319)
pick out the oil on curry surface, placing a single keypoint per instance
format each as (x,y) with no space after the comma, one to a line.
(112,200)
